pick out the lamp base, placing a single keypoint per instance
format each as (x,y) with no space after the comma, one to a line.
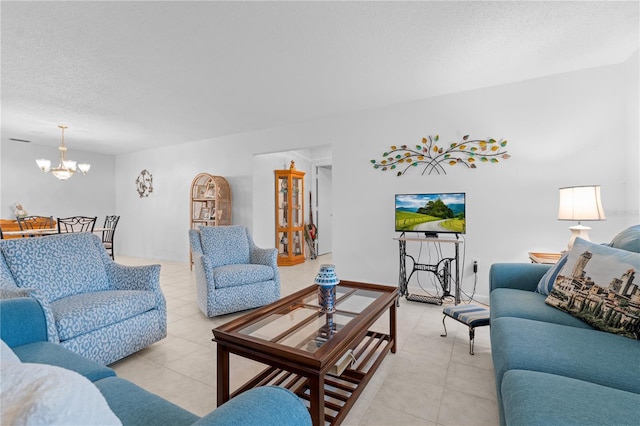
(578,231)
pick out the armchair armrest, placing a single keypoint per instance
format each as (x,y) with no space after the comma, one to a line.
(204,266)
(22,321)
(264,256)
(16,293)
(145,277)
(520,276)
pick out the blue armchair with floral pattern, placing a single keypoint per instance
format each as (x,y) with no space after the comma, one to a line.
(232,273)
(93,306)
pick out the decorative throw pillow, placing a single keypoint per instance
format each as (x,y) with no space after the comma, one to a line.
(546,282)
(598,284)
(40,394)
(226,245)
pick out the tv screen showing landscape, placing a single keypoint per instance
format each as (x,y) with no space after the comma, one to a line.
(433,213)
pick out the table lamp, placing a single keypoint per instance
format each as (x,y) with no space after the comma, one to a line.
(579,203)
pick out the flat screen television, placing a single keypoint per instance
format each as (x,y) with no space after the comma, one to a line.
(432,213)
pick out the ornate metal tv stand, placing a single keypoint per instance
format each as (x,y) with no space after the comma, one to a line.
(442,270)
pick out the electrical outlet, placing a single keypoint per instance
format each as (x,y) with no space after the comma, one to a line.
(475,266)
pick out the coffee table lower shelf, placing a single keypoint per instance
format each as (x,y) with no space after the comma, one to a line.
(340,393)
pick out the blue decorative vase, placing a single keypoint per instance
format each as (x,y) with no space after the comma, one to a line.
(327,280)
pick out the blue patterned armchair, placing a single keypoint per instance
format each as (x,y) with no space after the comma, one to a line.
(93,306)
(232,273)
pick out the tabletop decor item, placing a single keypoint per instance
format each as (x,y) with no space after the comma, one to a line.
(20,211)
(327,280)
(466,152)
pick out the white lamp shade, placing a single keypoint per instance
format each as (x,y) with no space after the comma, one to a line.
(69,164)
(44,165)
(580,203)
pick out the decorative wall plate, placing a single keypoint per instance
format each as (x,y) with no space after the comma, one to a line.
(144,183)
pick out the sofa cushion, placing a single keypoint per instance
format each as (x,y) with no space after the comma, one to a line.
(549,278)
(509,302)
(136,406)
(597,285)
(82,313)
(39,394)
(628,240)
(225,244)
(591,355)
(542,399)
(57,265)
(235,275)
(58,355)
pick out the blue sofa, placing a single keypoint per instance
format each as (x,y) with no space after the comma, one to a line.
(93,306)
(552,368)
(23,328)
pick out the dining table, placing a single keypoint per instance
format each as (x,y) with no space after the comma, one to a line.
(41,232)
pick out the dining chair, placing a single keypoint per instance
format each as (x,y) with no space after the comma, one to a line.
(76,224)
(35,222)
(108,232)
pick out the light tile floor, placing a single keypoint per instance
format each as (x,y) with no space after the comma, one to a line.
(431,380)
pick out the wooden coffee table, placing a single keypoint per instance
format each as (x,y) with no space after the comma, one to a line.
(302,346)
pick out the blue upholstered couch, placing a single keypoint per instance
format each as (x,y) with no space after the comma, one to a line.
(552,368)
(232,273)
(23,328)
(93,306)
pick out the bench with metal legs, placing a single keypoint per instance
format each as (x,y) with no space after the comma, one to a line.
(470,315)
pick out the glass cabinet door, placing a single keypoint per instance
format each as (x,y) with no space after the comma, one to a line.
(283,205)
(296,202)
(283,244)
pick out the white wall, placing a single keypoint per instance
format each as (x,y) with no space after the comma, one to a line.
(569,129)
(632,138)
(42,194)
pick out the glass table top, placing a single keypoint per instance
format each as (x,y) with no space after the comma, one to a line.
(301,325)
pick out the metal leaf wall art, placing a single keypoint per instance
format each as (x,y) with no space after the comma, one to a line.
(431,157)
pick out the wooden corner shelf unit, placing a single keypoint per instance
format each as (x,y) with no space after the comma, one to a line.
(210,202)
(290,216)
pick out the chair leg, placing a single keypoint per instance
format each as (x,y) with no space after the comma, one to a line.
(445,327)
(472,334)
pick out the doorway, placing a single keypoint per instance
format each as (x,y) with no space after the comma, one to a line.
(324,209)
(314,161)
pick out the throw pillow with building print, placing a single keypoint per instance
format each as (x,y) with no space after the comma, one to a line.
(599,285)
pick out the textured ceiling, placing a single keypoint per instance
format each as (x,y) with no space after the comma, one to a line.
(126,76)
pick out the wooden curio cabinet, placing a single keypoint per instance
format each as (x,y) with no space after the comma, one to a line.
(210,201)
(289,216)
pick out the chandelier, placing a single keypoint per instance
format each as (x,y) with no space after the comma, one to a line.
(66,168)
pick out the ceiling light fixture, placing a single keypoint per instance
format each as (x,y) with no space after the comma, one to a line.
(66,168)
